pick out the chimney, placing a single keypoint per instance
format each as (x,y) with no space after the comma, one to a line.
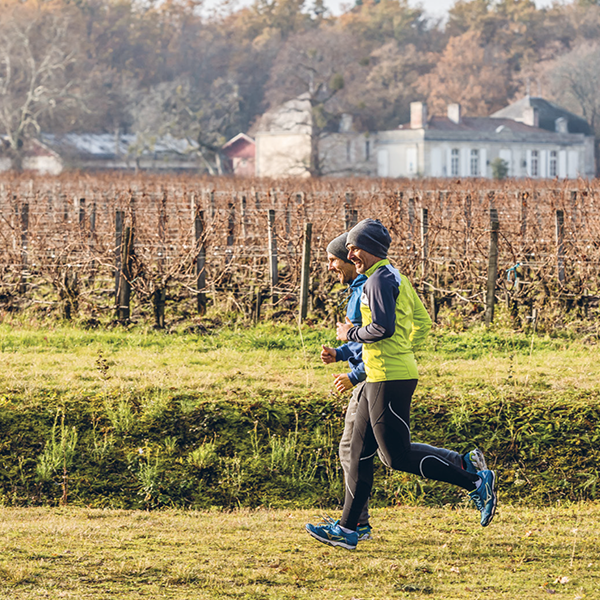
(561,125)
(454,113)
(531,116)
(418,115)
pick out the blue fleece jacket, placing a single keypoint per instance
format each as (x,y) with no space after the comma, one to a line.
(352,351)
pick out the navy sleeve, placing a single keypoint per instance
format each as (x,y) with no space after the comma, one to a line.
(381,293)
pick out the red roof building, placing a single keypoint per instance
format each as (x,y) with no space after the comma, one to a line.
(240,152)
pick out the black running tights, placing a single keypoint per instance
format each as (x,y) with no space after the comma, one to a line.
(383,421)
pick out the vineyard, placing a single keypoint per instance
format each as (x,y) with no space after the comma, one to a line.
(125,246)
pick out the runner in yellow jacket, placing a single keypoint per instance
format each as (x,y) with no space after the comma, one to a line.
(394,322)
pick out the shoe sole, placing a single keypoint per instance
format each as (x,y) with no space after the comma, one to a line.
(477,461)
(489,520)
(330,542)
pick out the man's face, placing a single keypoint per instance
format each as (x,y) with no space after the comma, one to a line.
(345,271)
(362,259)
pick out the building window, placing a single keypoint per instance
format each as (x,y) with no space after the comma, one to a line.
(474,163)
(367,150)
(348,151)
(553,166)
(454,162)
(535,163)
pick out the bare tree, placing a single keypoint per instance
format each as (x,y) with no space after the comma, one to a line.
(575,84)
(201,115)
(314,69)
(37,72)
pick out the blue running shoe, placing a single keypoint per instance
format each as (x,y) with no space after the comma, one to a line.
(364,533)
(330,533)
(484,496)
(475,461)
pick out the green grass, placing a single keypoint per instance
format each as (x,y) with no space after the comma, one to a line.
(417,553)
(277,358)
(157,411)
(147,406)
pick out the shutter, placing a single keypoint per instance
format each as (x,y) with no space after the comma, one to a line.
(573,164)
(383,163)
(448,167)
(465,155)
(411,161)
(483,163)
(436,162)
(562,164)
(528,163)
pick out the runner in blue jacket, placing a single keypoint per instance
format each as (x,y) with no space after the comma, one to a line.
(393,322)
(338,263)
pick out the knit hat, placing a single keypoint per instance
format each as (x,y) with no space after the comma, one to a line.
(371,236)
(337,247)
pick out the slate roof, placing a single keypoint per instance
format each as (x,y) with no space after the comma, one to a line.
(547,112)
(109,146)
(487,129)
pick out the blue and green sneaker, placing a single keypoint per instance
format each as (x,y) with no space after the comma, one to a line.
(475,461)
(364,533)
(329,532)
(484,496)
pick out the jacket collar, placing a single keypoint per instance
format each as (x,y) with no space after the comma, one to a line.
(376,266)
(358,281)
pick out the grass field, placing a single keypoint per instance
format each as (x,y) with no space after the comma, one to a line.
(528,552)
(280,358)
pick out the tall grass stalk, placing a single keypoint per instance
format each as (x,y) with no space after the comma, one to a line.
(58,452)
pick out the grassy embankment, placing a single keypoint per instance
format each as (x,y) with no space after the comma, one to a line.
(117,389)
(246,417)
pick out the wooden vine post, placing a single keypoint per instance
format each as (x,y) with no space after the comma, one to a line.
(305,274)
(200,261)
(490,298)
(350,213)
(24,246)
(124,311)
(273,275)
(560,246)
(428,289)
(119,218)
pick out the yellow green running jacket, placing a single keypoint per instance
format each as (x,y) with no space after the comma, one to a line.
(394,322)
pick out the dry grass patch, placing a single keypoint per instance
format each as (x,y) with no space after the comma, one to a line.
(417,553)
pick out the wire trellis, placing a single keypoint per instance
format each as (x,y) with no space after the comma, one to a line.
(59,241)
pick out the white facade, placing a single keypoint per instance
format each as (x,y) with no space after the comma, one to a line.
(37,157)
(401,157)
(455,146)
(283,145)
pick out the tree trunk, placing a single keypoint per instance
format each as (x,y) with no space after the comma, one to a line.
(315,161)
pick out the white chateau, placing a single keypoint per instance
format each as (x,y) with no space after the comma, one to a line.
(533,137)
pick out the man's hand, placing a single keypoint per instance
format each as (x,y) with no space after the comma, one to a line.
(342,329)
(342,383)
(328,355)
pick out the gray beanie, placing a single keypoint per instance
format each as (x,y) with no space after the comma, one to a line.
(371,236)
(337,247)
